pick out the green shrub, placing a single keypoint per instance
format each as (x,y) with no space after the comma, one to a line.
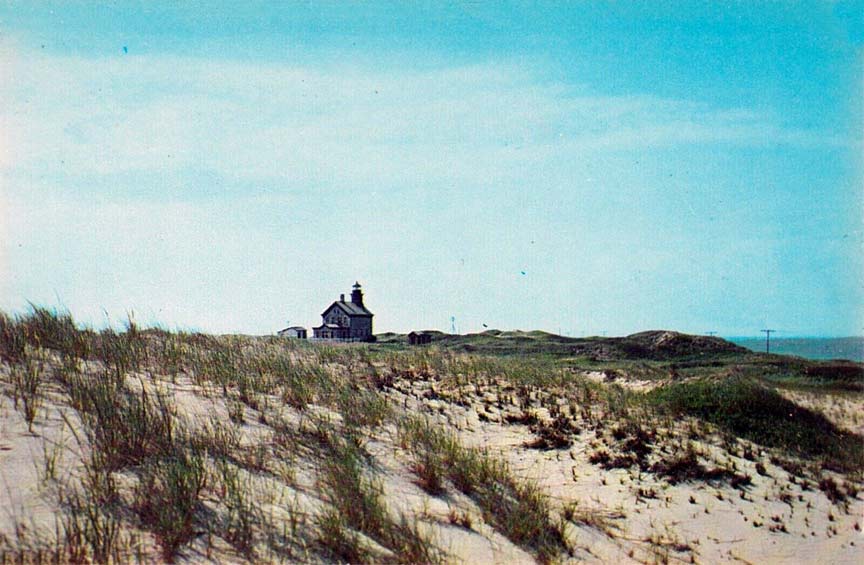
(752,411)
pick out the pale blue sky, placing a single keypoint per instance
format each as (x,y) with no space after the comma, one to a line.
(588,168)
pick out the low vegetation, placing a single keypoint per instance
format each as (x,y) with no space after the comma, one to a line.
(751,410)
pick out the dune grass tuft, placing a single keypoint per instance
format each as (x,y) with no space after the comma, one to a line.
(518,509)
(167,497)
(358,505)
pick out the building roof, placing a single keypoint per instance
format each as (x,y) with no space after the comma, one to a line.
(294,328)
(349,308)
(329,327)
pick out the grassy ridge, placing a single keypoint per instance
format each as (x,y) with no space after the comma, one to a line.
(653,345)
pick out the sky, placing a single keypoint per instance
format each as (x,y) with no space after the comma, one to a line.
(585,168)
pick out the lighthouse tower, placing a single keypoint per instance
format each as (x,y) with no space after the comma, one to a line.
(357,295)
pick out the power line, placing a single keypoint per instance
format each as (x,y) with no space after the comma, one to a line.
(768,340)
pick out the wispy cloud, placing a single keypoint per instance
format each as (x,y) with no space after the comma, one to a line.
(333,125)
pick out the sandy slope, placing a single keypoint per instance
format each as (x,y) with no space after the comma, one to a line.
(615,515)
(644,518)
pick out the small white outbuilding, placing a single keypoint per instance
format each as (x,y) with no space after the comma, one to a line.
(297,332)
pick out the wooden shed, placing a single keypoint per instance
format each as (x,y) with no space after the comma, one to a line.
(419,338)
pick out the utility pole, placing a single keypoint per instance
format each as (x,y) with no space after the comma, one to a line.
(711,333)
(768,340)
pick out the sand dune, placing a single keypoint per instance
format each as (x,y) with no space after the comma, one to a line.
(259,449)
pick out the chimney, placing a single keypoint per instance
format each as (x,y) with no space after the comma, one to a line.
(357,295)
(341,298)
